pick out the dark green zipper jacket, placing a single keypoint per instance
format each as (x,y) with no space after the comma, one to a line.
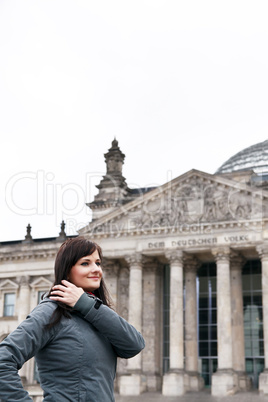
(76,358)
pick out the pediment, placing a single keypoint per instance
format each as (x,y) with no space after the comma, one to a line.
(8,285)
(41,283)
(193,198)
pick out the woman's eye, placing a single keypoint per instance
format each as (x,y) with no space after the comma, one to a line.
(84,264)
(98,264)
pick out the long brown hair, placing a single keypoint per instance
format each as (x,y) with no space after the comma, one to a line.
(69,253)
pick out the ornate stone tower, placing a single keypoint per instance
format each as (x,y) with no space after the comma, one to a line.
(113,189)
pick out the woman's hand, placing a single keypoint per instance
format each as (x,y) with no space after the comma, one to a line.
(66,293)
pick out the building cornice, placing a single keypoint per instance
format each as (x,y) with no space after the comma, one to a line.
(20,252)
(205,228)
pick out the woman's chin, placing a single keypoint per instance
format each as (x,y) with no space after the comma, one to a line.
(91,289)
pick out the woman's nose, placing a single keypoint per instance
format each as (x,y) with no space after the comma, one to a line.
(97,267)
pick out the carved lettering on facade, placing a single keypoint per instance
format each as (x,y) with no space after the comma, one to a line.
(235,239)
(156,245)
(194,242)
(200,241)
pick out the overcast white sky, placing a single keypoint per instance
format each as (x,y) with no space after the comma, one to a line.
(180,84)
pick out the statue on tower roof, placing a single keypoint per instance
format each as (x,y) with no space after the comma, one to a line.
(28,236)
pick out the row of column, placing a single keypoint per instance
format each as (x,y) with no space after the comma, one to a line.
(231,356)
(182,377)
(183,374)
(230,376)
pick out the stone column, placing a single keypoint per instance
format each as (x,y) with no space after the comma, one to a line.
(24,299)
(110,272)
(152,320)
(263,378)
(224,381)
(238,344)
(195,381)
(174,381)
(131,383)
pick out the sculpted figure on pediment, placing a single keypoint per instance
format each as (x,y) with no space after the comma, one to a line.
(210,207)
(182,207)
(239,206)
(222,204)
(163,219)
(229,204)
(142,220)
(190,202)
(210,213)
(179,207)
(215,204)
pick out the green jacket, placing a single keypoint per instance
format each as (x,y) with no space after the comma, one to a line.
(76,358)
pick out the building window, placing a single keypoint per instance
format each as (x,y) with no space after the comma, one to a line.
(9,304)
(253,320)
(207,320)
(39,295)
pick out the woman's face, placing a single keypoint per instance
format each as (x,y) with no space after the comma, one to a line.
(87,272)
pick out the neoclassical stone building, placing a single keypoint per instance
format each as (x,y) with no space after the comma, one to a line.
(186,264)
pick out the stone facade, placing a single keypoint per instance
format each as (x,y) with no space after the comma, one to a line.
(195,219)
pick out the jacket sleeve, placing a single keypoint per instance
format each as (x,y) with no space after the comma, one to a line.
(125,339)
(20,346)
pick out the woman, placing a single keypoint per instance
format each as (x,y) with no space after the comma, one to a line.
(73,333)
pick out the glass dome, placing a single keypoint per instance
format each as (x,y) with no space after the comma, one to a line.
(253,158)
